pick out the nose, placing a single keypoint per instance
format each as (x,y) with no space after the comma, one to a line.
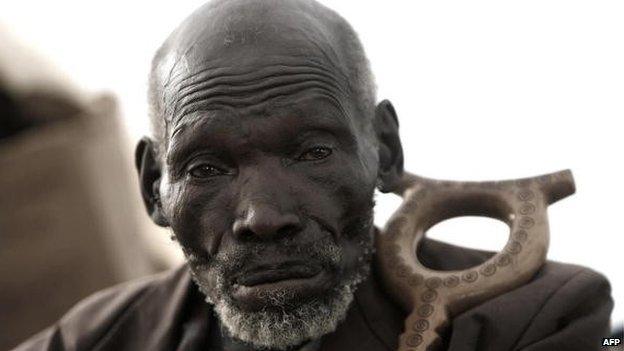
(264,222)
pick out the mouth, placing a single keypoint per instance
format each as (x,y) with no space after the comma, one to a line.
(291,282)
(275,275)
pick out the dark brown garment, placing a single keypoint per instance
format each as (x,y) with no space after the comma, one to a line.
(565,307)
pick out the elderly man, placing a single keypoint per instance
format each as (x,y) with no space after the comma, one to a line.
(267,147)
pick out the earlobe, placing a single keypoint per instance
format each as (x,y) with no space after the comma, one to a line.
(149,169)
(386,126)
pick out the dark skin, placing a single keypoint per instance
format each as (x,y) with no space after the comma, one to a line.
(266,145)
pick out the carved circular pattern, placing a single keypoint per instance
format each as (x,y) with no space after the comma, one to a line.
(429,296)
(526,222)
(503,260)
(415,279)
(421,325)
(414,340)
(402,271)
(527,209)
(433,282)
(470,276)
(514,247)
(520,235)
(488,270)
(525,195)
(425,310)
(451,281)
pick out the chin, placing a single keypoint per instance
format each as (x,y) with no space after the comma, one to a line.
(284,313)
(285,320)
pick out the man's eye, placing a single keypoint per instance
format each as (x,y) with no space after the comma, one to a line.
(204,171)
(315,153)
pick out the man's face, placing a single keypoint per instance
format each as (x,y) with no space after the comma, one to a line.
(270,163)
(272,203)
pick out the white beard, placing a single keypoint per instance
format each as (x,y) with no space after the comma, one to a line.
(283,325)
(281,329)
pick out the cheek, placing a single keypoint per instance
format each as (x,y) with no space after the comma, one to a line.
(344,198)
(199,217)
(339,192)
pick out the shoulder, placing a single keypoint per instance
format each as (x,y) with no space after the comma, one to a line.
(564,306)
(565,279)
(96,317)
(556,280)
(569,307)
(560,293)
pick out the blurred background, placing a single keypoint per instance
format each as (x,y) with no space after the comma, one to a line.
(483,89)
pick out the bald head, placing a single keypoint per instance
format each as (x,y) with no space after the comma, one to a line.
(242,53)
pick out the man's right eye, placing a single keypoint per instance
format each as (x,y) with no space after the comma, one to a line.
(204,170)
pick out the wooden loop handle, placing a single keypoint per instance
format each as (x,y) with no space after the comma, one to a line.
(432,297)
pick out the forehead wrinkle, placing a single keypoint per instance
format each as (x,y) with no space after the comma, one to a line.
(239,76)
(293,59)
(190,121)
(274,109)
(237,86)
(290,100)
(225,86)
(225,97)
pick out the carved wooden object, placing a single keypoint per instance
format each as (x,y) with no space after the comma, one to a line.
(432,297)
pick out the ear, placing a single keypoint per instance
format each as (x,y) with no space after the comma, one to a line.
(149,169)
(386,126)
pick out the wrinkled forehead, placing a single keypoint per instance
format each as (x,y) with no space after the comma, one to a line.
(246,53)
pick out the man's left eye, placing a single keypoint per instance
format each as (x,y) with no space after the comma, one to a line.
(204,171)
(315,153)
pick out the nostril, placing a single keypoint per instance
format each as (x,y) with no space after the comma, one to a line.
(287,230)
(282,232)
(246,234)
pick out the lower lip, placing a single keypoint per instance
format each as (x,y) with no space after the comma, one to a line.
(255,297)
